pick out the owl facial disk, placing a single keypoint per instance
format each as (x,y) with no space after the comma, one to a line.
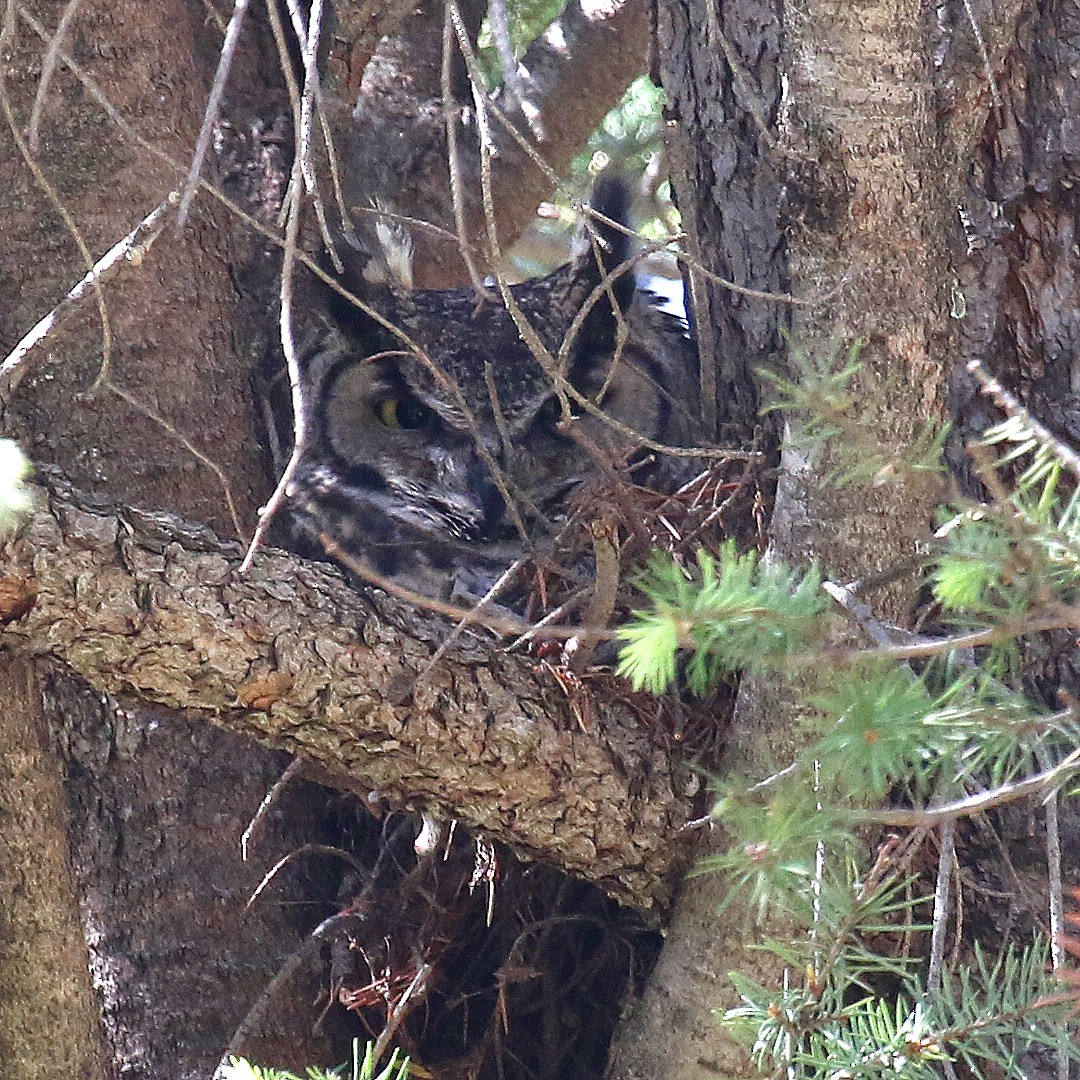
(395,455)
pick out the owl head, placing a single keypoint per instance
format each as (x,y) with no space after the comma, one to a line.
(438,428)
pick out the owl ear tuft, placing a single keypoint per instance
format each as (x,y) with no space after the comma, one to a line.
(608,248)
(377,271)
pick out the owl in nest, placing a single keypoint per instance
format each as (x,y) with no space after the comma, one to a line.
(449,430)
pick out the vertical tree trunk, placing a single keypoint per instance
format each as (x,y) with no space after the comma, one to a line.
(147,808)
(49,1019)
(867,209)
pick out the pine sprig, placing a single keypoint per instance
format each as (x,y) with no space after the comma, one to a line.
(734,614)
(363,1067)
(926,718)
(987,1016)
(879,734)
(821,405)
(994,1013)
(770,861)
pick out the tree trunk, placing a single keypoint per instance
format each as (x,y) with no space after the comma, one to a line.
(121,853)
(49,1020)
(149,807)
(869,180)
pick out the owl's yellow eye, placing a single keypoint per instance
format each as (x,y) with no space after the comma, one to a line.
(404,412)
(388,412)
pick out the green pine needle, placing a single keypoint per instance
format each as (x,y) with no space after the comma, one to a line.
(733,614)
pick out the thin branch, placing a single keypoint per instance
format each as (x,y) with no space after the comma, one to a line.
(131,249)
(311,104)
(65,215)
(505,624)
(1038,784)
(1010,404)
(186,443)
(476,615)
(305,849)
(1053,860)
(48,68)
(210,115)
(292,365)
(946,854)
(309,952)
(1057,900)
(414,995)
(453,154)
(295,769)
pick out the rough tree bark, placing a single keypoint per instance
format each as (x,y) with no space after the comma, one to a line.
(148,611)
(849,183)
(869,148)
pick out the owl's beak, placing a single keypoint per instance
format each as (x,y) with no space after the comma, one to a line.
(488,499)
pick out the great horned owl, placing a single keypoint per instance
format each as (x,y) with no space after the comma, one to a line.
(442,453)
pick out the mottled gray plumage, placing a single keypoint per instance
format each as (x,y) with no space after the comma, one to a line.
(417,441)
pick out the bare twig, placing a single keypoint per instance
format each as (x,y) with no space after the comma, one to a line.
(213,104)
(277,29)
(131,249)
(1052,617)
(65,215)
(186,443)
(1056,911)
(292,365)
(1009,404)
(946,854)
(306,849)
(501,624)
(48,68)
(453,152)
(1053,864)
(1038,784)
(414,995)
(477,614)
(879,633)
(309,952)
(295,768)
(311,105)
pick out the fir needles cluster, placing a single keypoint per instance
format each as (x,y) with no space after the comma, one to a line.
(362,1067)
(931,719)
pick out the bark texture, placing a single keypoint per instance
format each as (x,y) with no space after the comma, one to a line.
(148,611)
(156,882)
(158,802)
(1020,272)
(394,144)
(870,182)
(720,68)
(49,1019)
(177,368)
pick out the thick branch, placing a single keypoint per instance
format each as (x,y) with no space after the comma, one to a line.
(142,605)
(395,141)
